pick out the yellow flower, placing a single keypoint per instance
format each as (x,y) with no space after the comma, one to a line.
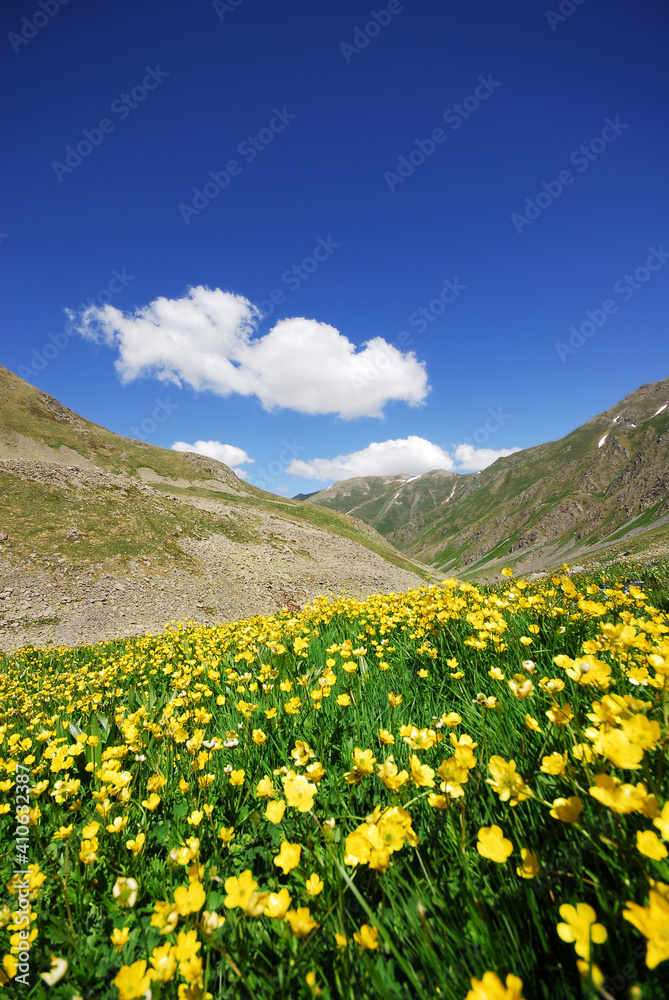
(418,739)
(315,771)
(653,922)
(421,775)
(226,834)
(210,922)
(125,891)
(299,793)
(491,986)
(344,700)
(288,857)
(394,699)
(493,844)
(521,686)
(509,785)
(118,825)
(390,776)
(135,846)
(237,777)
(275,810)
(57,971)
(189,900)
(662,822)
(133,981)
(341,940)
(151,804)
(259,737)
(560,714)
(619,798)
(187,946)
(567,810)
(617,748)
(239,890)
(366,937)
(648,843)
(645,732)
(555,763)
(301,921)
(580,928)
(363,764)
(87,851)
(165,917)
(164,963)
(532,723)
(530,865)
(277,903)
(119,937)
(63,832)
(451,719)
(385,737)
(507,571)
(314,885)
(265,788)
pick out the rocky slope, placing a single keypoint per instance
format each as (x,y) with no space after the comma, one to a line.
(596,493)
(102,535)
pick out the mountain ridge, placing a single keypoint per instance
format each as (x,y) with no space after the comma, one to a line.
(604,482)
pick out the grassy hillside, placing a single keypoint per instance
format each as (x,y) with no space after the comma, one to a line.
(62,473)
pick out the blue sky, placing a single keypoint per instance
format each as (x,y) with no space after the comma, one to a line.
(370,162)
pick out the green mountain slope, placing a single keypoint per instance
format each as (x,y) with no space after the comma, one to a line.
(603,487)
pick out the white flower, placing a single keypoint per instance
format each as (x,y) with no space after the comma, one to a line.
(58,970)
(125,891)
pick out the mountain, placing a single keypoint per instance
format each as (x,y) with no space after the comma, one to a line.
(601,491)
(101,534)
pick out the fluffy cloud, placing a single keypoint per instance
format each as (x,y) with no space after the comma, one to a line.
(206,340)
(413,455)
(474,459)
(226,453)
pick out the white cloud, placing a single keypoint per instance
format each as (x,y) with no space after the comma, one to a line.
(205,339)
(474,459)
(412,455)
(226,453)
